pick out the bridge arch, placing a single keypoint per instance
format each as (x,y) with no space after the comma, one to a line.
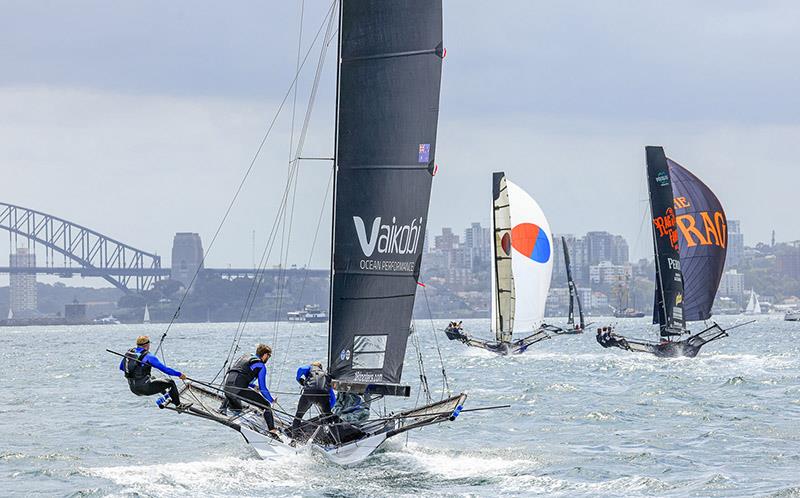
(120,264)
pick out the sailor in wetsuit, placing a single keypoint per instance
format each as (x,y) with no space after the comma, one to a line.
(317,390)
(600,337)
(246,371)
(137,365)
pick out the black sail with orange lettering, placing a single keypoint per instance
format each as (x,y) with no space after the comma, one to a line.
(703,237)
(668,308)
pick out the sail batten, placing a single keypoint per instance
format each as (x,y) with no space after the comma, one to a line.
(387,112)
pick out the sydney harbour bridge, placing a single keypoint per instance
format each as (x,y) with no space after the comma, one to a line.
(66,249)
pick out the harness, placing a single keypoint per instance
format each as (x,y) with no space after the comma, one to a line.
(135,368)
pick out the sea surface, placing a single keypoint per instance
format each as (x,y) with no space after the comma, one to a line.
(583,421)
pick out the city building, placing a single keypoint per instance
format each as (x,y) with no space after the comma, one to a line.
(23,299)
(788,260)
(735,244)
(607,273)
(731,285)
(477,249)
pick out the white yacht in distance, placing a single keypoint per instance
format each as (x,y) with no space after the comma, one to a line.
(753,306)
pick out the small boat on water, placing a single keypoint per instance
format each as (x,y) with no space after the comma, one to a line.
(690,243)
(311,313)
(521,271)
(792,315)
(628,313)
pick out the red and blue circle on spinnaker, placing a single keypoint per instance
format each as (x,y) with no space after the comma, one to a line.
(531,241)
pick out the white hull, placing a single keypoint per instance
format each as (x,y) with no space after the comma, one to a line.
(268,448)
(352,453)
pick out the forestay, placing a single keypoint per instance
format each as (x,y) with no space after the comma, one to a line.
(388,107)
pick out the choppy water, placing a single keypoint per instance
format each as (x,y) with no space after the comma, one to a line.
(584,422)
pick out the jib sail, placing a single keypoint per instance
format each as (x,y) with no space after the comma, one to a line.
(703,237)
(390,59)
(669,294)
(502,276)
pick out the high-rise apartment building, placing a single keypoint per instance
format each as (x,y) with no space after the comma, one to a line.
(23,285)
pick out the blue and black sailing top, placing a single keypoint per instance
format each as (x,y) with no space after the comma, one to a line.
(304,373)
(142,366)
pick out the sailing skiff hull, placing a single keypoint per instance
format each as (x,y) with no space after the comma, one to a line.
(687,348)
(502,348)
(326,439)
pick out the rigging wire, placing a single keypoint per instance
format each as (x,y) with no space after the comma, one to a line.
(445,383)
(256,284)
(423,378)
(242,182)
(270,241)
(299,151)
(283,258)
(305,277)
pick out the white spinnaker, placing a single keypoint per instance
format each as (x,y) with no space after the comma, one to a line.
(531,278)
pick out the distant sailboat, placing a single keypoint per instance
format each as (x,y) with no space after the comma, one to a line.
(522,248)
(690,243)
(574,299)
(146,318)
(753,305)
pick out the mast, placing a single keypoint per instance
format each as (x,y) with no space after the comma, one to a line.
(668,306)
(570,284)
(333,190)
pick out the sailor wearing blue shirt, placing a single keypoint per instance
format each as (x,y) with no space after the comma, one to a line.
(317,390)
(137,364)
(245,371)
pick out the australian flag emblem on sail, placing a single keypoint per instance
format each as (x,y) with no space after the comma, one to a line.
(424,153)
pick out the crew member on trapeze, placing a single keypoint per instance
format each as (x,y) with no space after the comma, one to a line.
(317,390)
(137,365)
(246,371)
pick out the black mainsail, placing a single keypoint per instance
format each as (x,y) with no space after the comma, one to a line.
(703,230)
(668,307)
(390,65)
(574,298)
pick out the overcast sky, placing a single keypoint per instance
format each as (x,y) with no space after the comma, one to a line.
(138,119)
